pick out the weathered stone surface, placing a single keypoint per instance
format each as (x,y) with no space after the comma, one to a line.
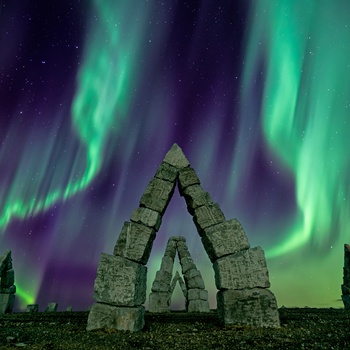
(147,217)
(159,302)
(192,273)
(223,239)
(157,195)
(182,250)
(170,249)
(176,157)
(6,303)
(244,269)
(195,282)
(206,216)
(5,261)
(255,307)
(120,282)
(114,317)
(187,263)
(198,306)
(51,307)
(7,278)
(187,177)
(161,282)
(197,294)
(166,172)
(167,264)
(195,197)
(135,242)
(32,308)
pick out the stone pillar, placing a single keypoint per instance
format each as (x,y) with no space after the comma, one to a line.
(345,287)
(241,276)
(197,296)
(120,291)
(159,299)
(120,285)
(7,287)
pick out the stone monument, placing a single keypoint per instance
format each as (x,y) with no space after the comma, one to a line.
(345,287)
(241,274)
(7,280)
(163,285)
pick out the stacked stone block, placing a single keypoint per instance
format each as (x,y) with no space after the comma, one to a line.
(345,287)
(7,287)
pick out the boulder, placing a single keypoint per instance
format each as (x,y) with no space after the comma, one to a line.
(159,302)
(223,239)
(166,172)
(187,263)
(135,242)
(206,216)
(244,269)
(182,250)
(116,317)
(176,157)
(187,177)
(157,195)
(162,281)
(147,217)
(195,197)
(120,282)
(197,294)
(254,307)
(198,306)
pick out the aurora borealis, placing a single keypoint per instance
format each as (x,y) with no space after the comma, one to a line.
(94,93)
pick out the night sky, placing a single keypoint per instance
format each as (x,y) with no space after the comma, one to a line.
(94,93)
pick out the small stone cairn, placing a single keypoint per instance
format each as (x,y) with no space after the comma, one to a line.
(163,285)
(7,287)
(345,287)
(240,271)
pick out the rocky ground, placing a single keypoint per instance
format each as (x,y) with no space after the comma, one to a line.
(304,328)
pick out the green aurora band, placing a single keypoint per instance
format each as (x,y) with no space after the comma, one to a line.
(305,48)
(104,88)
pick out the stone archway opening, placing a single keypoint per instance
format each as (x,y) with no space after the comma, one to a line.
(241,274)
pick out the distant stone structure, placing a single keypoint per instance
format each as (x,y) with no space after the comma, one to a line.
(7,280)
(33,308)
(51,307)
(163,285)
(345,287)
(240,271)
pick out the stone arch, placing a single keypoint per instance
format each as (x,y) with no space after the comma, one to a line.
(163,286)
(241,274)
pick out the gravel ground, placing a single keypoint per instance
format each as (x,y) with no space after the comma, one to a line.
(305,328)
